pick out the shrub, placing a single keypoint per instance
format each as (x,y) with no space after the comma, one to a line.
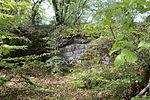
(108,80)
(57,65)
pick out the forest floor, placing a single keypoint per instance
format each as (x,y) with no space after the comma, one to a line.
(46,88)
(56,87)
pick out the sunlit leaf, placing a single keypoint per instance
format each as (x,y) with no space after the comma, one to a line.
(119,61)
(141,44)
(114,50)
(129,56)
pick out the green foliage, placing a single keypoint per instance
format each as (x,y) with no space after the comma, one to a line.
(95,30)
(32,68)
(119,61)
(68,12)
(57,65)
(111,82)
(140,98)
(65,31)
(5,49)
(11,13)
(127,35)
(142,45)
(97,50)
(130,44)
(7,16)
(23,58)
(125,56)
(131,38)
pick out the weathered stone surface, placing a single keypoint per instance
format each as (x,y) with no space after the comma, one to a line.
(68,54)
(70,48)
(81,41)
(73,52)
(106,59)
(100,49)
(78,51)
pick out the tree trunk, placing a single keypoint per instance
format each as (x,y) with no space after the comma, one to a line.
(57,11)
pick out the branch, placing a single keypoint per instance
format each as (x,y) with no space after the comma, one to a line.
(111,29)
(144,91)
(77,18)
(27,80)
(35,3)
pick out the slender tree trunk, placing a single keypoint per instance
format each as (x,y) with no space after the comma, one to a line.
(57,11)
(34,10)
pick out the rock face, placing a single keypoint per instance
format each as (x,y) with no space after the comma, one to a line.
(78,47)
(98,51)
(74,51)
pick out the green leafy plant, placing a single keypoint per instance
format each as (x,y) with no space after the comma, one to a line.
(112,83)
(57,65)
(9,19)
(131,47)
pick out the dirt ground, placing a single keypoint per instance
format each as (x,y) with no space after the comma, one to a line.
(46,88)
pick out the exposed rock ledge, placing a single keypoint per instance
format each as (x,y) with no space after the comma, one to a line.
(74,51)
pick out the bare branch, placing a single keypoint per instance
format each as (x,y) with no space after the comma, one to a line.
(144,91)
